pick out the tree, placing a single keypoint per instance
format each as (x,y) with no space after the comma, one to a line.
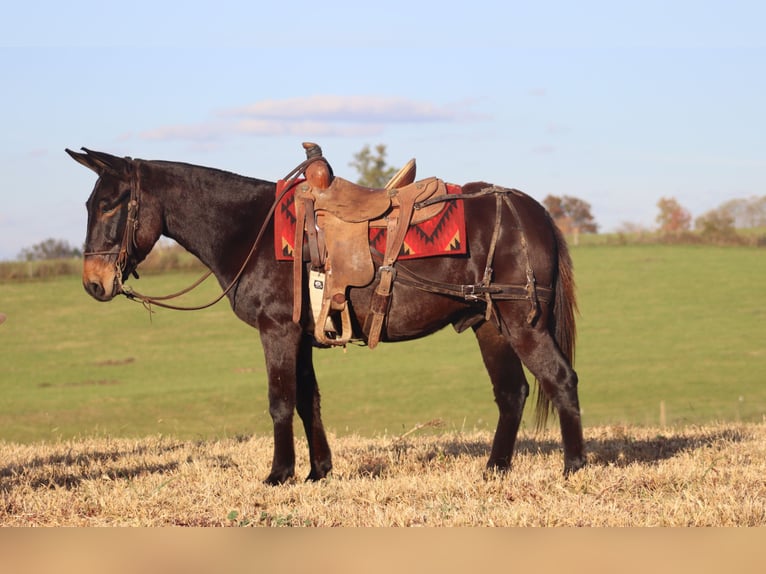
(49,249)
(373,171)
(717,225)
(746,213)
(571,214)
(672,218)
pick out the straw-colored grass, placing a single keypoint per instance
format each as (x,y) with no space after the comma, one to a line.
(701,476)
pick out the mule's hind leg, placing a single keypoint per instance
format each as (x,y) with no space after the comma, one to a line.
(538,350)
(309,410)
(511,390)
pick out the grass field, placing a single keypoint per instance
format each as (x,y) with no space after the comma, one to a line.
(696,476)
(667,335)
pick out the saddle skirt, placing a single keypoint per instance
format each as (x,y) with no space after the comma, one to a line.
(441,234)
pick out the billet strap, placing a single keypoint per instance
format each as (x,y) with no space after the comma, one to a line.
(382,295)
(397,230)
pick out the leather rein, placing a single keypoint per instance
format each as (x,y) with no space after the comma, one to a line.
(128,245)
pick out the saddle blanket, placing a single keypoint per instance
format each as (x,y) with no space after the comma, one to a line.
(443,234)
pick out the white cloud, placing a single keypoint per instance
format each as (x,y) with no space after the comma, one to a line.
(191,132)
(320,115)
(305,127)
(350,109)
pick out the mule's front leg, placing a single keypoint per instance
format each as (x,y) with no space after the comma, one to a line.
(281,407)
(281,351)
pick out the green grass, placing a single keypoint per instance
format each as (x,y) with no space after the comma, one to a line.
(675,324)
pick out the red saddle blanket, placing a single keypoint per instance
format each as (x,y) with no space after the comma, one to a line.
(443,234)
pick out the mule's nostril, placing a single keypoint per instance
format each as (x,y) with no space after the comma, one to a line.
(95,289)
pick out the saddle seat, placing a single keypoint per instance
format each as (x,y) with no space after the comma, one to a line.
(354,203)
(335,215)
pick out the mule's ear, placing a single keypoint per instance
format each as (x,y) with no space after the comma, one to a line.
(82,159)
(100,162)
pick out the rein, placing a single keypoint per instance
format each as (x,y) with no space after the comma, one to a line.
(128,245)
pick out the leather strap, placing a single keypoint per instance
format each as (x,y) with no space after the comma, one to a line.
(300,224)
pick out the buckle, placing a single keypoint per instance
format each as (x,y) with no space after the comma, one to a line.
(389,269)
(469,292)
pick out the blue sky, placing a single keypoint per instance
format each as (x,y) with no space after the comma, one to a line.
(618,103)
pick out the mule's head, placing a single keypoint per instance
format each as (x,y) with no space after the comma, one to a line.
(121,229)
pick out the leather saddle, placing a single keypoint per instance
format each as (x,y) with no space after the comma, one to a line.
(334,215)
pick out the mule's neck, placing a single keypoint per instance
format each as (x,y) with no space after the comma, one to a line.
(213,214)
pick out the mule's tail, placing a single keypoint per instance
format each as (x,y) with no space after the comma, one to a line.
(562,322)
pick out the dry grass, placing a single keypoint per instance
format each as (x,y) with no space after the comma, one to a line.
(700,476)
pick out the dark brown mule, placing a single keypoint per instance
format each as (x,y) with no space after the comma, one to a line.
(217,215)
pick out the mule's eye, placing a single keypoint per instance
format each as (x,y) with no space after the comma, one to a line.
(109,206)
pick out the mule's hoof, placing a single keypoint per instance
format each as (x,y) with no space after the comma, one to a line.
(278,477)
(316,476)
(319,472)
(494,470)
(572,466)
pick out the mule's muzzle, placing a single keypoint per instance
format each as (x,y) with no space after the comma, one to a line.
(101,279)
(96,290)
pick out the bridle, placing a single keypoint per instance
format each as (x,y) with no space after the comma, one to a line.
(128,245)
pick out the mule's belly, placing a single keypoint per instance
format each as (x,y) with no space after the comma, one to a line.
(414,313)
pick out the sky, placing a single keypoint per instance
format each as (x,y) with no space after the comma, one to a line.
(619,103)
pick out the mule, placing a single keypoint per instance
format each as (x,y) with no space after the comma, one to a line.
(226,221)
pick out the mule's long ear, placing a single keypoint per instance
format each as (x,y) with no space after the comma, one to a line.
(82,159)
(100,162)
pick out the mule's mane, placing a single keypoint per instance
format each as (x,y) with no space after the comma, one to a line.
(210,170)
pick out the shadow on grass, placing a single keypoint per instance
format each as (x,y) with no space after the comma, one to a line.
(68,469)
(618,449)
(622,450)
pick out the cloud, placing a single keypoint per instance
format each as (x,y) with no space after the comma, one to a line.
(266,127)
(204,132)
(544,149)
(356,109)
(319,115)
(554,128)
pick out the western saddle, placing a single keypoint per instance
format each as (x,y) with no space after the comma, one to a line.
(335,215)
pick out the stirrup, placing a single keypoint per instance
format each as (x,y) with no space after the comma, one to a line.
(321,331)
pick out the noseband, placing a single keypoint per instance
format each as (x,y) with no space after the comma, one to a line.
(128,244)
